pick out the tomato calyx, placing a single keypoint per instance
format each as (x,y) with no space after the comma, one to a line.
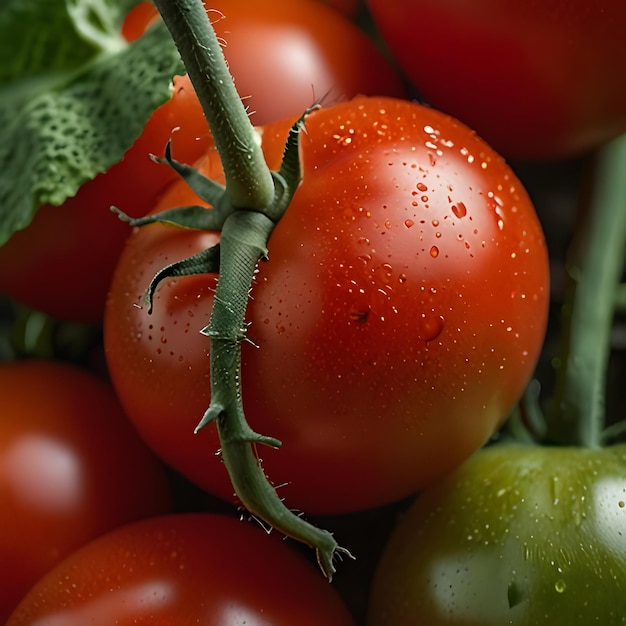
(245,212)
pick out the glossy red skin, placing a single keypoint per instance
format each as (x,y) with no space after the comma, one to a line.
(71,468)
(63,261)
(186,569)
(312,50)
(286,54)
(536,78)
(394,327)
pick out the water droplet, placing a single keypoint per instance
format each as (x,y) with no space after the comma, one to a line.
(620,504)
(556,488)
(459,209)
(430,327)
(409,223)
(560,586)
(402,279)
(422,187)
(344,139)
(385,271)
(434,252)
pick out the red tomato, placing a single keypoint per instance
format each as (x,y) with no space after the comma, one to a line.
(71,468)
(398,319)
(535,78)
(309,52)
(180,570)
(286,54)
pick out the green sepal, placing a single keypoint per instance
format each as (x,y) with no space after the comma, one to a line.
(205,188)
(204,262)
(289,175)
(193,216)
(290,166)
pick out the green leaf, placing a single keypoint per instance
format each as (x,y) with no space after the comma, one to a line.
(39,37)
(74,101)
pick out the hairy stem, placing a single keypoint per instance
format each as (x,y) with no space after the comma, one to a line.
(242,245)
(248,178)
(247,209)
(595,269)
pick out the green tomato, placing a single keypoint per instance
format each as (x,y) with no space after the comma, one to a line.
(517,536)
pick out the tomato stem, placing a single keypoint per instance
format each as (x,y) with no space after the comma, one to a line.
(248,178)
(253,201)
(595,267)
(239,243)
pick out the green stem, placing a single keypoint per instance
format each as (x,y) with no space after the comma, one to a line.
(248,178)
(596,267)
(242,245)
(254,200)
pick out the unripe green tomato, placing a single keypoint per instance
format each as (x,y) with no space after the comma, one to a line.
(517,536)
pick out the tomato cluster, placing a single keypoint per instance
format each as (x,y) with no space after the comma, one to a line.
(409,295)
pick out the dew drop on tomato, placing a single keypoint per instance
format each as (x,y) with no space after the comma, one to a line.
(430,327)
(459,209)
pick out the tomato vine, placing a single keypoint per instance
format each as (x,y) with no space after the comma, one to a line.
(595,268)
(248,207)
